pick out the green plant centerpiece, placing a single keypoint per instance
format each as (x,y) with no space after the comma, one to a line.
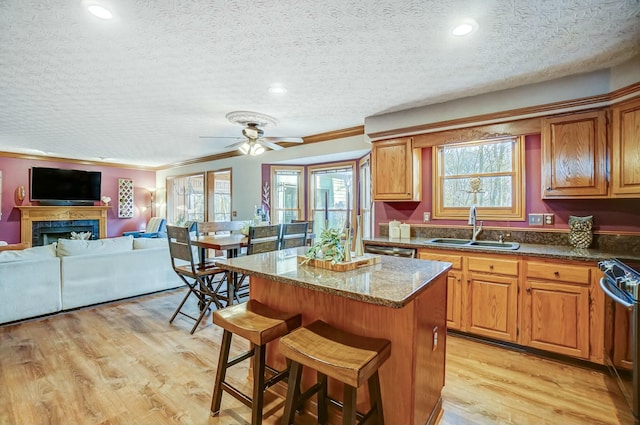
(327,247)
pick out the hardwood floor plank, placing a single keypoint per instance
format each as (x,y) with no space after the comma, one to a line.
(123,363)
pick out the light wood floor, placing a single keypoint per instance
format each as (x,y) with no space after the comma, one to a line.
(124,364)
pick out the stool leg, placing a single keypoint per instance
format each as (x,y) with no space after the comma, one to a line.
(323,413)
(221,373)
(376,397)
(349,405)
(258,384)
(294,383)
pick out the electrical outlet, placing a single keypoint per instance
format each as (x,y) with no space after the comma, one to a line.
(548,219)
(426,217)
(535,220)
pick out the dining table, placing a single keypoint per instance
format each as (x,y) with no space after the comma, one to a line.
(229,243)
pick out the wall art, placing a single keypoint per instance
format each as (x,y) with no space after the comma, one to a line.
(125,198)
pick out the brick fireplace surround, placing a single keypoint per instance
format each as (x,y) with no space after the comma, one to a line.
(31,214)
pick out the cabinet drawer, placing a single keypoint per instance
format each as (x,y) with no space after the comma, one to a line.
(456,260)
(558,272)
(493,265)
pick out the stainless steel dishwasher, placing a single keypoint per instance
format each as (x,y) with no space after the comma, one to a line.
(390,250)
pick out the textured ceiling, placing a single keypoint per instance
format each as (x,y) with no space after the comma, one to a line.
(142,88)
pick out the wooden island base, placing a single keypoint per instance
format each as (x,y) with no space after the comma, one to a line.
(412,378)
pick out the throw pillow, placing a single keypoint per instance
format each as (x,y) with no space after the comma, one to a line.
(37,252)
(68,247)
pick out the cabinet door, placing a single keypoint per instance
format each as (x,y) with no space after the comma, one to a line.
(491,306)
(396,170)
(574,156)
(625,147)
(556,317)
(454,299)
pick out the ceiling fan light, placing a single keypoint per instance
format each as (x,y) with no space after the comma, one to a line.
(256,149)
(244,148)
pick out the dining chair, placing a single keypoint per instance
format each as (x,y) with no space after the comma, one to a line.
(260,239)
(294,235)
(218,228)
(203,279)
(310,234)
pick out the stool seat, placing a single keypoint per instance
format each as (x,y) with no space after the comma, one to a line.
(340,355)
(256,322)
(259,324)
(349,358)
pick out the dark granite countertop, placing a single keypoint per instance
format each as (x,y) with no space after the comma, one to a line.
(526,249)
(394,282)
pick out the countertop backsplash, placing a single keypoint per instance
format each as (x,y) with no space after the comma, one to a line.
(604,242)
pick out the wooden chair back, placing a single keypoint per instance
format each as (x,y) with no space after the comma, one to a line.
(180,246)
(216,227)
(294,235)
(263,239)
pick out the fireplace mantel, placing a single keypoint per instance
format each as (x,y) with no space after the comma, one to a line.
(29,214)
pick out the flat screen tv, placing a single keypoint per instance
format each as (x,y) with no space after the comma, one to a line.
(56,186)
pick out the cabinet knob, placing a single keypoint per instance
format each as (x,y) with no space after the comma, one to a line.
(556,274)
(490,266)
(528,290)
(548,187)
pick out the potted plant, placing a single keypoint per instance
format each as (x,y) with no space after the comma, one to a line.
(328,246)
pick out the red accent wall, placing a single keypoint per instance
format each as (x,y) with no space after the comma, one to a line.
(15,172)
(608,214)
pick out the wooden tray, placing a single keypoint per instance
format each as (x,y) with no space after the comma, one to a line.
(356,262)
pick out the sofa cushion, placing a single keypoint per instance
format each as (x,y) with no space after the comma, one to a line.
(13,246)
(146,243)
(68,247)
(46,251)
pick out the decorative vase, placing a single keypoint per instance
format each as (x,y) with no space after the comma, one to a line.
(347,244)
(359,244)
(20,195)
(580,231)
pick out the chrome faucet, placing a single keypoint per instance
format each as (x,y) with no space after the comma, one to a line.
(473,219)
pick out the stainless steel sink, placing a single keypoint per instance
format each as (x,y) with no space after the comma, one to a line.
(467,243)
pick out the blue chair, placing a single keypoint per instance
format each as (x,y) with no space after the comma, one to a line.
(156,228)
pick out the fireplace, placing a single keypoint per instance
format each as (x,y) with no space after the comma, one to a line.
(47,232)
(53,222)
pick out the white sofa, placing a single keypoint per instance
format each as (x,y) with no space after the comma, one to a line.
(76,273)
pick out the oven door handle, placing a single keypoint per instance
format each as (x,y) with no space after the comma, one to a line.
(605,288)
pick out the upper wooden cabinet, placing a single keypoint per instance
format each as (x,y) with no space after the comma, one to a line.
(396,170)
(625,149)
(574,156)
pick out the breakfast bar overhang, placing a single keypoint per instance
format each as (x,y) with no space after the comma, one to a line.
(399,299)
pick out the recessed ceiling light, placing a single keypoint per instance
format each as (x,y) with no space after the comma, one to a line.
(277,88)
(100,11)
(465,28)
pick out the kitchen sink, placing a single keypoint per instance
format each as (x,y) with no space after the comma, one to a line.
(467,243)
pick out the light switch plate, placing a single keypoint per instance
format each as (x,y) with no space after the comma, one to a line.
(426,217)
(535,220)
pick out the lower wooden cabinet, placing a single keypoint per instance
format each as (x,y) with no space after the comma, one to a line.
(555,313)
(550,305)
(492,306)
(556,317)
(454,295)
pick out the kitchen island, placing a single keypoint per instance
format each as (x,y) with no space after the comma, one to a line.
(399,299)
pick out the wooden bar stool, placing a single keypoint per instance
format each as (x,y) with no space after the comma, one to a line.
(348,358)
(259,324)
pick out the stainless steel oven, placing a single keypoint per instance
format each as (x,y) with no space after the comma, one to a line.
(621,284)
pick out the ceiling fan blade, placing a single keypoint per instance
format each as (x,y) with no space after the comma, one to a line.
(283,139)
(270,145)
(235,145)
(217,137)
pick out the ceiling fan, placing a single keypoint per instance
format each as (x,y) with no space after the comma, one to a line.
(254,143)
